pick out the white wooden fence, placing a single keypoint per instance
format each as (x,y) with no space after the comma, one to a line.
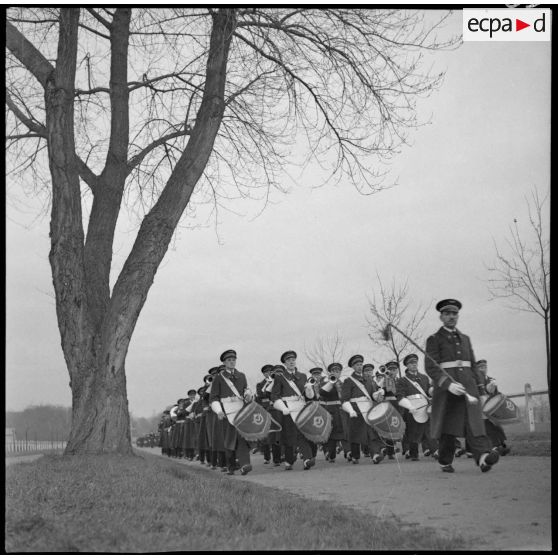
(24,446)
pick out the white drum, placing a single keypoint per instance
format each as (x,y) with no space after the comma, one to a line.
(421,407)
(231,406)
(295,406)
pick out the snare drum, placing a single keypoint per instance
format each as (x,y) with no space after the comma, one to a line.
(421,407)
(386,421)
(501,410)
(314,422)
(253,422)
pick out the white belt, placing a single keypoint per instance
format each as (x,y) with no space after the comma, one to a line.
(456,364)
(292,398)
(360,400)
(416,396)
(231,399)
(330,402)
(266,400)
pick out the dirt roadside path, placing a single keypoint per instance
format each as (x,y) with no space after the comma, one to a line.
(508,508)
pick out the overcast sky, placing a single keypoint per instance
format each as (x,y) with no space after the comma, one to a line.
(304,268)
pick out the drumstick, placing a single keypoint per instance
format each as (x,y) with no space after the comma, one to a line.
(386,335)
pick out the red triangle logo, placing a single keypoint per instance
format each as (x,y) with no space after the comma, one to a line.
(519,25)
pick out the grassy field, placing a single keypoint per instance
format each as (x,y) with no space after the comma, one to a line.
(528,443)
(149,504)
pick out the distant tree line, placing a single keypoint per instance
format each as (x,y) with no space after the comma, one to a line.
(52,422)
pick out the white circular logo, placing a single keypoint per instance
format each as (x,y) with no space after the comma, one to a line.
(395,422)
(510,405)
(258,418)
(318,422)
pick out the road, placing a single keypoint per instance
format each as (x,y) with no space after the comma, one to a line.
(508,508)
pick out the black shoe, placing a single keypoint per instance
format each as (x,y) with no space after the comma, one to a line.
(309,463)
(378,458)
(245,469)
(487,460)
(266,462)
(427,453)
(447,469)
(415,458)
(503,450)
(230,471)
(459,452)
(276,464)
(354,461)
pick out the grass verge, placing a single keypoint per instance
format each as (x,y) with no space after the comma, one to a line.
(529,443)
(147,504)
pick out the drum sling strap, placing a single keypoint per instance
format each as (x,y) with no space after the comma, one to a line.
(294,387)
(418,386)
(361,387)
(233,389)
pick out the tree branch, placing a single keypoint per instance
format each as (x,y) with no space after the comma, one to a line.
(28,55)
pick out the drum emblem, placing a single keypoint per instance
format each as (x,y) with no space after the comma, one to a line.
(318,422)
(395,422)
(510,405)
(258,418)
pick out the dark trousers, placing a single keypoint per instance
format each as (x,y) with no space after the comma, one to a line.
(331,449)
(218,459)
(240,453)
(272,451)
(477,444)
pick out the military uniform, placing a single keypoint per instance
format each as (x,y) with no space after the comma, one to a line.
(271,446)
(360,433)
(452,415)
(283,396)
(236,447)
(330,399)
(407,389)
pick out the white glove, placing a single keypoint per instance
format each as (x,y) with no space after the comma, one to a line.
(309,391)
(217,409)
(267,387)
(197,397)
(248,395)
(491,387)
(279,404)
(378,395)
(328,386)
(431,391)
(348,408)
(406,404)
(456,388)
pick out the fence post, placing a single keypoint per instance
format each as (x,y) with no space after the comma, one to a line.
(529,408)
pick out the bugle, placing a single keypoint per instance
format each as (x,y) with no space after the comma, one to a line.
(207,379)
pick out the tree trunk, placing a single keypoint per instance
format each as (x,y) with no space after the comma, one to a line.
(100,417)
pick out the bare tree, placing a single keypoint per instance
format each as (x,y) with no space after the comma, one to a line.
(325,350)
(521,271)
(394,305)
(167,110)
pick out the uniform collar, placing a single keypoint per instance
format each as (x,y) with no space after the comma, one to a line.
(228,374)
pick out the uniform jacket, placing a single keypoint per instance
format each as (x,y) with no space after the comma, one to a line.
(333,398)
(262,397)
(449,412)
(281,387)
(220,389)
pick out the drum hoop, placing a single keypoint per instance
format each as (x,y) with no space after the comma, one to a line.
(494,402)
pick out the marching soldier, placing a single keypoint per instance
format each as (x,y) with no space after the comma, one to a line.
(330,399)
(413,386)
(215,428)
(388,383)
(200,417)
(190,438)
(290,391)
(164,428)
(272,444)
(457,383)
(230,387)
(356,389)
(494,431)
